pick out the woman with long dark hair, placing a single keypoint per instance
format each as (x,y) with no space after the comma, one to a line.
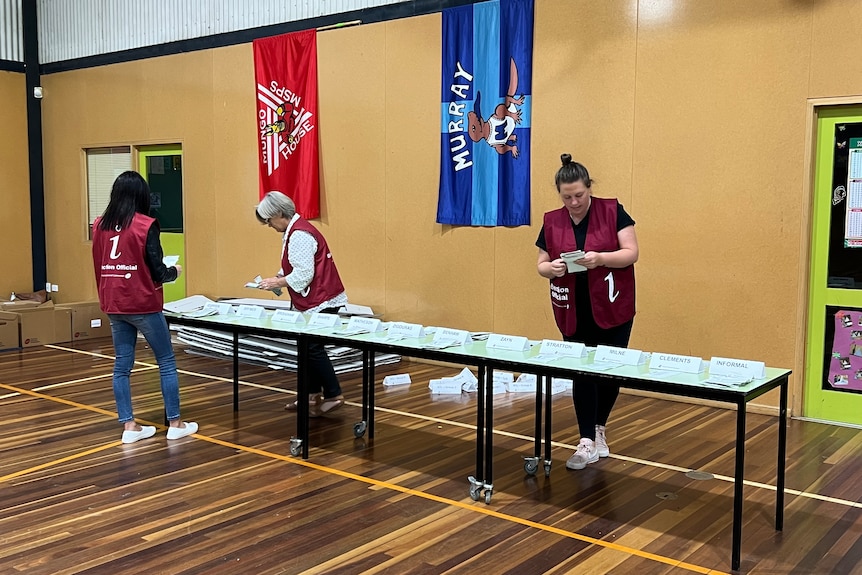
(127,256)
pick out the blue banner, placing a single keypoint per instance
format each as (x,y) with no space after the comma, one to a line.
(485,114)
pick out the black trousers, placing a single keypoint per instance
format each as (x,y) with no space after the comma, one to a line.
(321,374)
(593,396)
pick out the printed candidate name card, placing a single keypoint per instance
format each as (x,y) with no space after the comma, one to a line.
(358,324)
(526,383)
(446,385)
(736,368)
(469,381)
(461,336)
(563,348)
(398,379)
(220,308)
(502,379)
(445,337)
(559,385)
(251,311)
(400,329)
(288,316)
(671,362)
(510,342)
(319,319)
(625,356)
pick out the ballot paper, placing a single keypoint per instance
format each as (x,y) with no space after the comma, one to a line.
(570,258)
(255,283)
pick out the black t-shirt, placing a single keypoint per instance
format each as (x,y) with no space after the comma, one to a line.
(582,296)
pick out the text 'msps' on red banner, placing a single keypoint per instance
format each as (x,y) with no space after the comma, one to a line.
(285,70)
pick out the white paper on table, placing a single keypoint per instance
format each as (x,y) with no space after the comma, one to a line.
(187,304)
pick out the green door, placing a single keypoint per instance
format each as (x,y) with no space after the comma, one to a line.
(162,166)
(833,372)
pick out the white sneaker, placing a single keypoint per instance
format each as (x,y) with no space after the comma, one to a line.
(602,442)
(133,436)
(584,454)
(178,432)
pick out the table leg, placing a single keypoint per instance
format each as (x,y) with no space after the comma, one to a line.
(476,482)
(738,485)
(548,404)
(371,394)
(236,371)
(489,433)
(299,444)
(782,450)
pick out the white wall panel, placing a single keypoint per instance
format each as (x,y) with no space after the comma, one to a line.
(11,35)
(71,29)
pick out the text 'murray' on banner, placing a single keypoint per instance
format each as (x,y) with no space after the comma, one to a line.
(285,70)
(485,112)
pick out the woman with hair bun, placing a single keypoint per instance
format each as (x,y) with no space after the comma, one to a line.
(595,306)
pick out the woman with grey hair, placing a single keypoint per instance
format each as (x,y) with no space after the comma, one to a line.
(308,272)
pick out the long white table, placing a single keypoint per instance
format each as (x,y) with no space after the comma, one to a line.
(475,353)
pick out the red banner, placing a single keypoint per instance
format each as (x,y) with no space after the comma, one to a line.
(285,70)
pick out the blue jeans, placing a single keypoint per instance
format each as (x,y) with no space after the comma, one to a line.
(124,329)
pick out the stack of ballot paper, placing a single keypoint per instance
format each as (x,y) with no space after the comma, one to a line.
(570,258)
(255,283)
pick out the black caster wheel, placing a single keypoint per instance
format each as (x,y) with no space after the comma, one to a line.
(295,447)
(530,466)
(359,428)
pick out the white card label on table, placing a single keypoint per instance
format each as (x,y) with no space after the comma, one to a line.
(319,319)
(510,342)
(526,383)
(288,316)
(461,336)
(446,385)
(563,348)
(403,329)
(220,308)
(369,324)
(672,362)
(625,356)
(398,379)
(735,368)
(251,311)
(503,377)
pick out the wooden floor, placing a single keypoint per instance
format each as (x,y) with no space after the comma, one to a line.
(231,500)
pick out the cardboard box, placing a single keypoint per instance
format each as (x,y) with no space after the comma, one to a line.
(62,325)
(17,304)
(9,330)
(88,320)
(36,324)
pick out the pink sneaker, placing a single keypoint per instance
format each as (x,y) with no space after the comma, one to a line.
(584,454)
(602,442)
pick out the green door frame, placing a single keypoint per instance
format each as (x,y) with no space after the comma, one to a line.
(819,403)
(172,243)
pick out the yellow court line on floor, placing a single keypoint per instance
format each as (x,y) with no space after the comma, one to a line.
(503,433)
(362,479)
(59,461)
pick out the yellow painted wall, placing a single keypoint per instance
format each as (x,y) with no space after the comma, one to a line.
(16,255)
(695,119)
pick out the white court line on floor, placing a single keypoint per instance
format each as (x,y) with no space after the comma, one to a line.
(499,432)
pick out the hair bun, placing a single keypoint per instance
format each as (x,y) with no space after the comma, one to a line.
(566,159)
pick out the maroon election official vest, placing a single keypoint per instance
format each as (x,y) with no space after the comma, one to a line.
(326,283)
(612,290)
(122,276)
